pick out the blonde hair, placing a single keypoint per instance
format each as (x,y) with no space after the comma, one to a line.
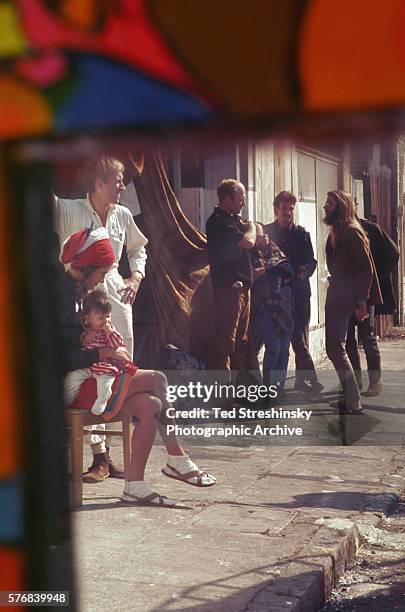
(101,168)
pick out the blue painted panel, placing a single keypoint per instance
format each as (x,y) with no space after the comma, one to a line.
(108,94)
(11,511)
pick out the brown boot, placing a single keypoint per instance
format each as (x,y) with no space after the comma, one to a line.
(115,471)
(374,389)
(99,469)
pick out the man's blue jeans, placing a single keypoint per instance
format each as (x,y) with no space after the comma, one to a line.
(277,350)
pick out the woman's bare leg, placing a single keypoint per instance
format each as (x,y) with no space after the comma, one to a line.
(155,383)
(147,409)
(170,440)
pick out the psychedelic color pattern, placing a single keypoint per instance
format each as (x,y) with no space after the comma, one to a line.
(74,65)
(70,65)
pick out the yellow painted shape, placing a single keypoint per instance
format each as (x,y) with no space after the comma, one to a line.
(352,54)
(12,38)
(23,110)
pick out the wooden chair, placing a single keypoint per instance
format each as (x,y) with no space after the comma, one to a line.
(79,422)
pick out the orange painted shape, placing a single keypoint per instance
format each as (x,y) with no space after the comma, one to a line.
(9,426)
(84,13)
(352,54)
(12,564)
(24,111)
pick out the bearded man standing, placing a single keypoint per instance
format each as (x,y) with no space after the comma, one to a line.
(353,285)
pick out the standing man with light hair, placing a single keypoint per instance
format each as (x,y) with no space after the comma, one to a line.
(101,208)
(230,240)
(353,284)
(295,242)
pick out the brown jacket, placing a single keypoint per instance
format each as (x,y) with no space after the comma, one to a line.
(353,277)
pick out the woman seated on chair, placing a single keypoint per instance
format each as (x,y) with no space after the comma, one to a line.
(87,256)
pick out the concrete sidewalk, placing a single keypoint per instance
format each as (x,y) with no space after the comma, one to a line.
(273,534)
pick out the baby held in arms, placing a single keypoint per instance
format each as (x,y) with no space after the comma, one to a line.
(100,333)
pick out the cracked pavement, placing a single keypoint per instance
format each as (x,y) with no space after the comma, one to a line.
(274,533)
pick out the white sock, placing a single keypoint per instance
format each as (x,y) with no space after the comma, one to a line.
(182,463)
(139,488)
(98,409)
(100,447)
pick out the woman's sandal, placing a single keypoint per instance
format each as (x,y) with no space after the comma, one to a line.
(203,478)
(161,500)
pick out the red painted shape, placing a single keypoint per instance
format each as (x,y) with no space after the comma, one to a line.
(128,36)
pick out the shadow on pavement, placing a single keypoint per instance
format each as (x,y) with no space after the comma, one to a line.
(324,479)
(119,504)
(341,500)
(270,593)
(389,409)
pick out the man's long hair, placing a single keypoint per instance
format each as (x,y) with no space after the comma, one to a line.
(344,213)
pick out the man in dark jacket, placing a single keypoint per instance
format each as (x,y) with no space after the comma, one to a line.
(295,242)
(385,255)
(230,241)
